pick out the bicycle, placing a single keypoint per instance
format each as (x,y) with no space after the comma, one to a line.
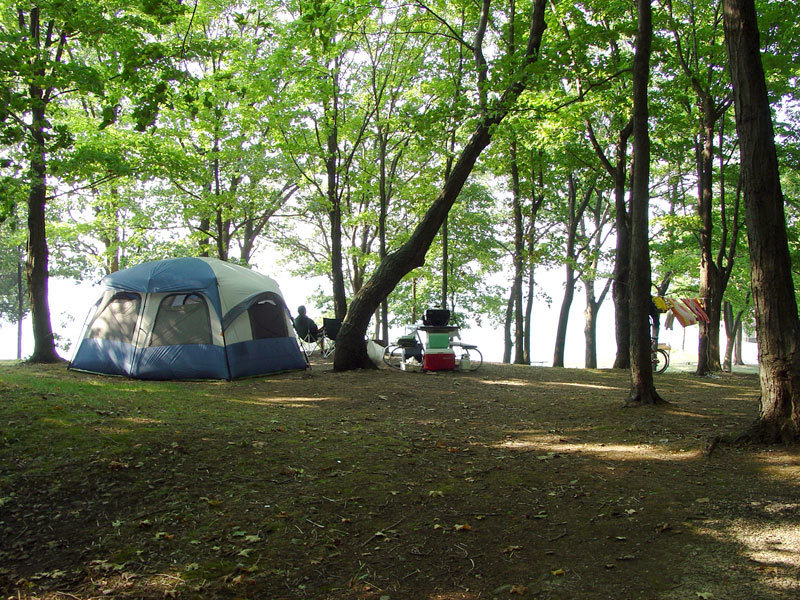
(659,355)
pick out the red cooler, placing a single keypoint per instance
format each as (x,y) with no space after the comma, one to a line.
(439,360)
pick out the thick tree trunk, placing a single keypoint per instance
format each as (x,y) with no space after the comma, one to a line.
(708,347)
(643,389)
(777,324)
(351,352)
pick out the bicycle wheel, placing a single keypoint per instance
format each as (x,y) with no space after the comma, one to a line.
(394,356)
(660,361)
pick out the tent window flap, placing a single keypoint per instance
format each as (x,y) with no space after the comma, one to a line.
(182,319)
(268,317)
(117,321)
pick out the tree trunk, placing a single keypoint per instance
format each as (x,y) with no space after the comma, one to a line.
(643,389)
(507,341)
(36,267)
(737,347)
(335,218)
(590,326)
(622,254)
(733,324)
(777,324)
(383,319)
(529,310)
(20,300)
(519,257)
(351,352)
(622,258)
(563,318)
(710,278)
(575,214)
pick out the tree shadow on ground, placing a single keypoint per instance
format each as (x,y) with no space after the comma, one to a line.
(503,482)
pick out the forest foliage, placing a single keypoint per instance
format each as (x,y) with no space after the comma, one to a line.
(315,133)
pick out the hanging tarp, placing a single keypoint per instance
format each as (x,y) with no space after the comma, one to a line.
(687,311)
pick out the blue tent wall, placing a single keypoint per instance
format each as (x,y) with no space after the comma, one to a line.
(194,361)
(274,354)
(104,356)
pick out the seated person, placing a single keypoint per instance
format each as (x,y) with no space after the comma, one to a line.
(305,327)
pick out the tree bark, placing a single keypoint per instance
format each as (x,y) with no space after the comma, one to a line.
(708,342)
(737,346)
(20,299)
(574,217)
(619,291)
(36,266)
(507,341)
(733,324)
(519,257)
(643,389)
(590,327)
(563,317)
(351,350)
(777,324)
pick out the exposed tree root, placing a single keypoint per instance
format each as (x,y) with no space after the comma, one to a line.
(640,398)
(769,434)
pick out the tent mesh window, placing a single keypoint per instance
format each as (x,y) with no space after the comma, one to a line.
(182,319)
(117,321)
(268,317)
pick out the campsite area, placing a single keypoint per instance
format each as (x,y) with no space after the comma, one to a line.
(507,482)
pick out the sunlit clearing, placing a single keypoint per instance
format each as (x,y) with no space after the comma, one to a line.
(776,548)
(58,422)
(508,382)
(295,402)
(693,415)
(581,385)
(142,421)
(620,452)
(466,595)
(107,430)
(779,466)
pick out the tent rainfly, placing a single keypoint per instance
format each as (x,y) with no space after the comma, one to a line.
(188,318)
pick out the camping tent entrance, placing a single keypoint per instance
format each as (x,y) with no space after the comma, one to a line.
(176,339)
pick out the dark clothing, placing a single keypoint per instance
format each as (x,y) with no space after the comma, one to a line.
(306,328)
(655,321)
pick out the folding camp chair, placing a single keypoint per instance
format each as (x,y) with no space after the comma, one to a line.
(308,344)
(307,339)
(330,329)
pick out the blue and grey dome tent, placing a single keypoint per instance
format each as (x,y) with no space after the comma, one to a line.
(188,318)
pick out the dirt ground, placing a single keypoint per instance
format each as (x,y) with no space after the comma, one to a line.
(502,483)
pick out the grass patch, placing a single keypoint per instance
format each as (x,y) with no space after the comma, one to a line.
(375,484)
